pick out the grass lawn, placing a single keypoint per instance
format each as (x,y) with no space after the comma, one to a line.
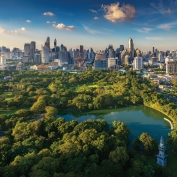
(11,111)
(8,95)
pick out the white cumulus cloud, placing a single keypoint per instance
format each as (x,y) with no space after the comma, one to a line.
(115,13)
(63,26)
(48,13)
(23,29)
(28,21)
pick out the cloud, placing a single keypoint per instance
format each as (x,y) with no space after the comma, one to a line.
(115,13)
(167,26)
(51,22)
(96,18)
(23,29)
(94,11)
(48,13)
(63,26)
(3,31)
(144,30)
(91,31)
(160,7)
(155,38)
(28,21)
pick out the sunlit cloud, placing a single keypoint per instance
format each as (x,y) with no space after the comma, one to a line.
(63,26)
(28,21)
(96,18)
(4,31)
(23,29)
(115,13)
(48,13)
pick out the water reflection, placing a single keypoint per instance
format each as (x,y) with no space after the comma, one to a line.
(138,119)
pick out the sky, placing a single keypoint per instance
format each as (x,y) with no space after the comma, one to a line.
(92,23)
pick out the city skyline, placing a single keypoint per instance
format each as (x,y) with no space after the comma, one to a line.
(89,23)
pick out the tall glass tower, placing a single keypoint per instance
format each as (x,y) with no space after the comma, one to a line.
(47,43)
(131,48)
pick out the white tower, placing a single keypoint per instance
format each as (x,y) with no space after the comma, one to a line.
(161,156)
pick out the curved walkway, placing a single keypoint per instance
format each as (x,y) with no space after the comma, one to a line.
(171,124)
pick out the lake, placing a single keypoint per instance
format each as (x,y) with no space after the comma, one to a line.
(138,119)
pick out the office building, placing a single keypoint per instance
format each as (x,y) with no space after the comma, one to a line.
(27,49)
(112,62)
(37,58)
(122,56)
(47,43)
(32,50)
(111,53)
(171,67)
(131,48)
(100,61)
(138,63)
(45,54)
(55,45)
(2,60)
(126,59)
(81,51)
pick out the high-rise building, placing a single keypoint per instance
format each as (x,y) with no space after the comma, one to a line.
(32,50)
(171,67)
(2,60)
(138,63)
(47,43)
(81,51)
(100,61)
(111,53)
(45,54)
(37,58)
(27,49)
(111,62)
(126,59)
(131,47)
(55,45)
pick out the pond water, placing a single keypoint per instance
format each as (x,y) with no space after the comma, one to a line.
(138,119)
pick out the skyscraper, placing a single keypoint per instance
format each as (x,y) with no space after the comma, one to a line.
(27,49)
(81,51)
(32,50)
(138,63)
(131,47)
(55,45)
(47,43)
(45,54)
(2,60)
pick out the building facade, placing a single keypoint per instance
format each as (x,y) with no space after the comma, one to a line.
(138,63)
(171,67)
